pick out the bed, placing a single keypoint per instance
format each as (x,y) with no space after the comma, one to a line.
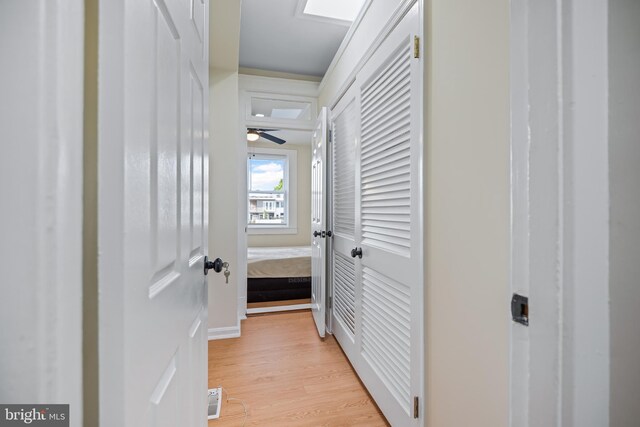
(278,274)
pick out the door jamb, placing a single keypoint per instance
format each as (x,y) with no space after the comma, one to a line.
(559,228)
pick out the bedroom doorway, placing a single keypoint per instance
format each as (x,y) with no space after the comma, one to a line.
(278,254)
(277,129)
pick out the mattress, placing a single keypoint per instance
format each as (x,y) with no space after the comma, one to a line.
(278,289)
(279,262)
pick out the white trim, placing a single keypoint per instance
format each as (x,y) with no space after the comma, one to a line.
(259,230)
(422,215)
(274,85)
(264,122)
(224,333)
(345,42)
(559,365)
(241,274)
(278,85)
(392,23)
(290,182)
(278,308)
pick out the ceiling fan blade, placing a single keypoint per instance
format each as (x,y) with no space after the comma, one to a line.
(262,130)
(272,138)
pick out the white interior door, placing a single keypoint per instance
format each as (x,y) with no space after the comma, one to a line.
(319,222)
(345,186)
(153,209)
(377,249)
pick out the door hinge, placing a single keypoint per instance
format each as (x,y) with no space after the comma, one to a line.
(330,302)
(330,135)
(416,407)
(416,47)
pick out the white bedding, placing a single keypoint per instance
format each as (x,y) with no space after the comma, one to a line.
(293,261)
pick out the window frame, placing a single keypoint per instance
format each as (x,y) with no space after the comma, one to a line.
(290,191)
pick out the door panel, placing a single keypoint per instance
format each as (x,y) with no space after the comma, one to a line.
(195,168)
(153,212)
(345,275)
(344,297)
(390,202)
(386,333)
(377,135)
(319,223)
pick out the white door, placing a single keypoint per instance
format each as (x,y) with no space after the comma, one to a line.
(319,222)
(378,293)
(346,295)
(153,208)
(41,122)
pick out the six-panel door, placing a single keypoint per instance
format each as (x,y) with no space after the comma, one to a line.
(153,209)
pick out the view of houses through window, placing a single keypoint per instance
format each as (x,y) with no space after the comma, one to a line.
(267,180)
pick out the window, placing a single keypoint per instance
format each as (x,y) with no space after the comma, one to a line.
(271,191)
(343,10)
(280,109)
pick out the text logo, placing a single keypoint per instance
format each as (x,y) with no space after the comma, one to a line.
(34,415)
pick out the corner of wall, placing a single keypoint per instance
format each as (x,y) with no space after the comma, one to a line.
(224,187)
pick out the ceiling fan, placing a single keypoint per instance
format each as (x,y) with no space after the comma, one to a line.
(253,134)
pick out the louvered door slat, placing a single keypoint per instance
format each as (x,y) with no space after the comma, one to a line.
(388,347)
(399,172)
(397,160)
(387,76)
(385,187)
(394,126)
(391,101)
(344,164)
(344,220)
(391,195)
(394,146)
(344,290)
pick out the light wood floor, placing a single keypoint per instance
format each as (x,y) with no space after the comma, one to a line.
(287,376)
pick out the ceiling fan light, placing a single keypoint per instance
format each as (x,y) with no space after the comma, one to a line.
(252,135)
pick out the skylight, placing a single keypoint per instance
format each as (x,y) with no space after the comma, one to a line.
(344,10)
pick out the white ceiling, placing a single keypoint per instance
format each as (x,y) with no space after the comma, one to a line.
(273,38)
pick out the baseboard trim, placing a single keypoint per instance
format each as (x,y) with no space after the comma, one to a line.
(278,308)
(224,333)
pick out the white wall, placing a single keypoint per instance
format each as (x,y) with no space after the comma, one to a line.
(226,233)
(303,196)
(224,187)
(624,161)
(467,212)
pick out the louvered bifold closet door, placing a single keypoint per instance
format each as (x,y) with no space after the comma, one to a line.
(390,224)
(346,295)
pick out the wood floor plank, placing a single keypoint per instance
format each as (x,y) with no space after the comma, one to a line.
(288,377)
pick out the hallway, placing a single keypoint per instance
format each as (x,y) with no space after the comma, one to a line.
(287,376)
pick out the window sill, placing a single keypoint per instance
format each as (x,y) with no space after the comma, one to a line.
(271,230)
